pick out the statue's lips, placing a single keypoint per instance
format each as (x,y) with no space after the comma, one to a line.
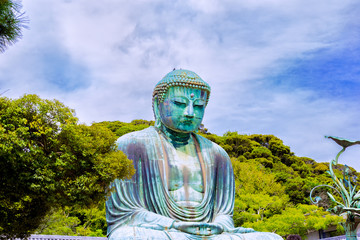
(187,122)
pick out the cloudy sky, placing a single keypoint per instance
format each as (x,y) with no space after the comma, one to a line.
(287,68)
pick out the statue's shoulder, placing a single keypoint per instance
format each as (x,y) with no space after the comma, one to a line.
(208,144)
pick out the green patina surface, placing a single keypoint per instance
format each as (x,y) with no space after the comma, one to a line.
(184,184)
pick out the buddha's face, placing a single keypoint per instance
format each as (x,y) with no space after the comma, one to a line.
(183,108)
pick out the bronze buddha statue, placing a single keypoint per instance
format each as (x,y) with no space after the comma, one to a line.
(184,186)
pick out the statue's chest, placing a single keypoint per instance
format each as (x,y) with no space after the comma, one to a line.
(185,170)
(185,178)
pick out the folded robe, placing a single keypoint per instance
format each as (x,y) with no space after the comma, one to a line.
(143,204)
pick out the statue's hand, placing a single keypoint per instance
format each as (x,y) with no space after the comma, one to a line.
(244,230)
(199,228)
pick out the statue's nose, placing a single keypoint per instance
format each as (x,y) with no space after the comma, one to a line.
(189,111)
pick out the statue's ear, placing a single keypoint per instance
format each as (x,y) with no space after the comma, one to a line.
(157,113)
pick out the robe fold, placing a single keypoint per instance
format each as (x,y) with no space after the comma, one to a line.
(142,208)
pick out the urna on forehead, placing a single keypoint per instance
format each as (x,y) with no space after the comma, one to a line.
(182,78)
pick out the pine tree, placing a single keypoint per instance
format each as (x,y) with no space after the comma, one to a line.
(12,21)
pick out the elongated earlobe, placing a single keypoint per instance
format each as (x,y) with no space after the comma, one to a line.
(157,113)
(157,123)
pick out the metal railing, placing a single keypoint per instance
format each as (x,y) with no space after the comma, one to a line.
(62,237)
(342,237)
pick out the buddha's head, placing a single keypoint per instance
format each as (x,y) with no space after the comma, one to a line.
(179,101)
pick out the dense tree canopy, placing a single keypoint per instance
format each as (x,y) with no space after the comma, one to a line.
(62,165)
(297,174)
(75,221)
(272,187)
(48,159)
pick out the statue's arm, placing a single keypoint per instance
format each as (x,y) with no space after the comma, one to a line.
(126,205)
(224,202)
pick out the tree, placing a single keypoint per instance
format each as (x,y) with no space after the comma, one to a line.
(12,20)
(121,128)
(296,220)
(272,187)
(255,200)
(48,159)
(75,221)
(59,222)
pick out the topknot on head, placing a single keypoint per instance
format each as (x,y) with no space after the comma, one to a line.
(179,77)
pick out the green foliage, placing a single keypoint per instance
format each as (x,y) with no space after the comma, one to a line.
(121,128)
(12,20)
(272,185)
(252,177)
(90,221)
(59,222)
(47,159)
(75,222)
(296,220)
(254,198)
(297,174)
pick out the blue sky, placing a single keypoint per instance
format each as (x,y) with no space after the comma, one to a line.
(288,68)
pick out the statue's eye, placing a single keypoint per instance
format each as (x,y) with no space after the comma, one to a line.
(199,103)
(179,103)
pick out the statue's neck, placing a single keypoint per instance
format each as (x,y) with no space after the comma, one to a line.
(176,137)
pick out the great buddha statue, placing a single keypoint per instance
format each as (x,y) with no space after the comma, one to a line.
(184,186)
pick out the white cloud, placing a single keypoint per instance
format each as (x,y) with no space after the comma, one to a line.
(123,48)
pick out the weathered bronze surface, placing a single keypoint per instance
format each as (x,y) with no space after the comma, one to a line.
(184,184)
